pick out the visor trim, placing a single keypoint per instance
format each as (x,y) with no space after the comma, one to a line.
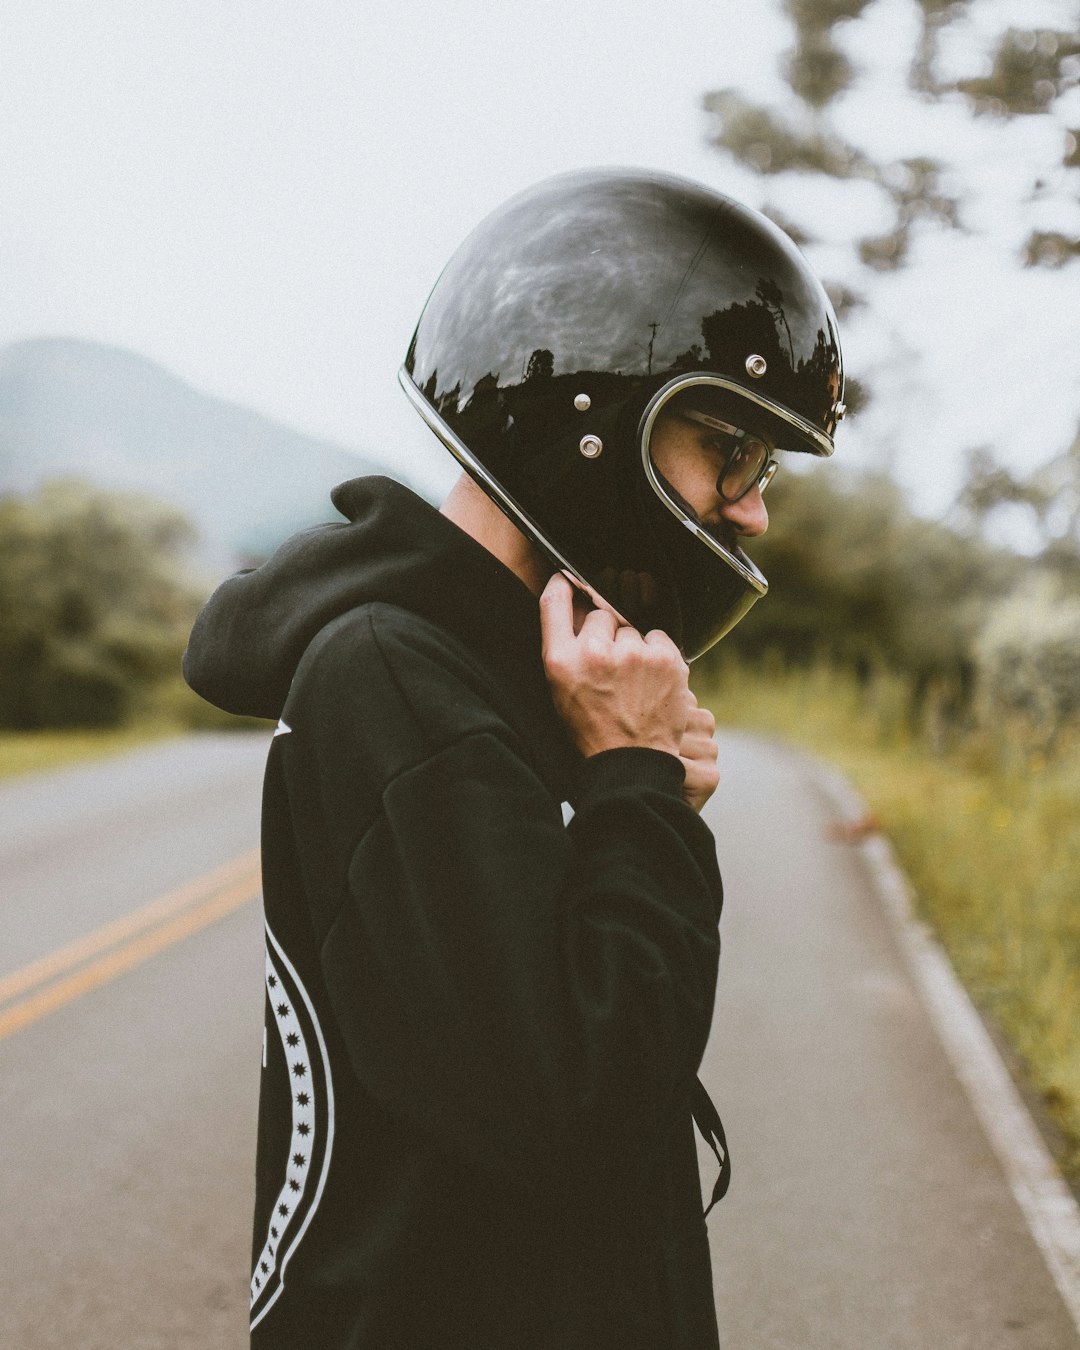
(743,564)
(824,444)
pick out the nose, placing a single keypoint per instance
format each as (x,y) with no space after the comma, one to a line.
(748,515)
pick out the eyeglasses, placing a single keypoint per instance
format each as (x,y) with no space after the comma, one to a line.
(748,460)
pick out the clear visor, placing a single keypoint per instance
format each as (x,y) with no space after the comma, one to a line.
(745,458)
(703,449)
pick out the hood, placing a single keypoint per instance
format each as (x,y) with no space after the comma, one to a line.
(392,547)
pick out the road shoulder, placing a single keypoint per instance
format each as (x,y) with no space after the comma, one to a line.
(1044,1197)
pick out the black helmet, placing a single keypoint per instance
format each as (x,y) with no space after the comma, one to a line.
(574,316)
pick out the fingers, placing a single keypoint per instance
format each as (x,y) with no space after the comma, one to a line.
(657,637)
(611,686)
(567,612)
(661,643)
(600,626)
(698,738)
(556,613)
(697,744)
(699,754)
(627,637)
(568,634)
(700,721)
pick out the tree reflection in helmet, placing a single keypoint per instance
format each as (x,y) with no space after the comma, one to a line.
(561,329)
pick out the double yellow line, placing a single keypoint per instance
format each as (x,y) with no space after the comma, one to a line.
(91,960)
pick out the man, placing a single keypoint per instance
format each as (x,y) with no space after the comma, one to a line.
(491,902)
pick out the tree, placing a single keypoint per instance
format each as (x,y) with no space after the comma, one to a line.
(1030,75)
(859,580)
(1050,496)
(1027,655)
(1032,71)
(93,604)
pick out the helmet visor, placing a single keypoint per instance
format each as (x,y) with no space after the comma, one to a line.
(746,459)
(699,456)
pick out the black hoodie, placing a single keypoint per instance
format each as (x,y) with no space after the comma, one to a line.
(482,1025)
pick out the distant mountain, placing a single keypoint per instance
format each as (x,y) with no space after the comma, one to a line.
(80,409)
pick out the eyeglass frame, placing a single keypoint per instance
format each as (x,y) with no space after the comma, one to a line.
(763,479)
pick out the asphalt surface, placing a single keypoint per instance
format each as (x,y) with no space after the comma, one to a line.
(128,1115)
(866,1210)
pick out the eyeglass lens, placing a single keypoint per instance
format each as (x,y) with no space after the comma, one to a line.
(746,464)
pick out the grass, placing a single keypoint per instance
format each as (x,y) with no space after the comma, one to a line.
(170,709)
(24,752)
(989,834)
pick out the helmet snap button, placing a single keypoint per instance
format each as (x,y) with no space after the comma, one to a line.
(841,411)
(582,402)
(756,366)
(591,446)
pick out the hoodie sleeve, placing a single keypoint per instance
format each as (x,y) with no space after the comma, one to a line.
(537,996)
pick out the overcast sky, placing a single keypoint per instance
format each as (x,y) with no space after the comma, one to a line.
(260,195)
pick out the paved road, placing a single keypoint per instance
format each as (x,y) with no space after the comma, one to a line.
(127,1116)
(867,1209)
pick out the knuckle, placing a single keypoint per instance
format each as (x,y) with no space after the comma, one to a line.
(594,650)
(557,664)
(628,647)
(553,592)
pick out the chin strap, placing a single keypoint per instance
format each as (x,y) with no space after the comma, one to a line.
(707,1119)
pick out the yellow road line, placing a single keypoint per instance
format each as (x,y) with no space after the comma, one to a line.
(55,963)
(168,920)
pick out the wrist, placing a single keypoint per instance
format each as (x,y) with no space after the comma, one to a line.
(633,766)
(600,745)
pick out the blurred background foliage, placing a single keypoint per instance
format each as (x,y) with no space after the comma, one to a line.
(97,595)
(97,592)
(975,633)
(92,606)
(1030,70)
(937,667)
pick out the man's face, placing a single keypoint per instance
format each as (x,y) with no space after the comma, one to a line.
(691,458)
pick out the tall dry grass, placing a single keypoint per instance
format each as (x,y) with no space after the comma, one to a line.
(987,829)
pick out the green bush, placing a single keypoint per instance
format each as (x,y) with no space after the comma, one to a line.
(858,580)
(1028,656)
(94,607)
(988,832)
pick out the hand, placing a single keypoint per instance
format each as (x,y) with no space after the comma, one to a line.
(610,685)
(698,754)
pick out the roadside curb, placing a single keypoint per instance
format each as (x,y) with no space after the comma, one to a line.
(1048,1205)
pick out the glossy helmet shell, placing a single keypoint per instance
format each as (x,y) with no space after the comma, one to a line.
(575,311)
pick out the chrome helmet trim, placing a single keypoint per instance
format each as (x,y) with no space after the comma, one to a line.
(743,565)
(824,444)
(494,489)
